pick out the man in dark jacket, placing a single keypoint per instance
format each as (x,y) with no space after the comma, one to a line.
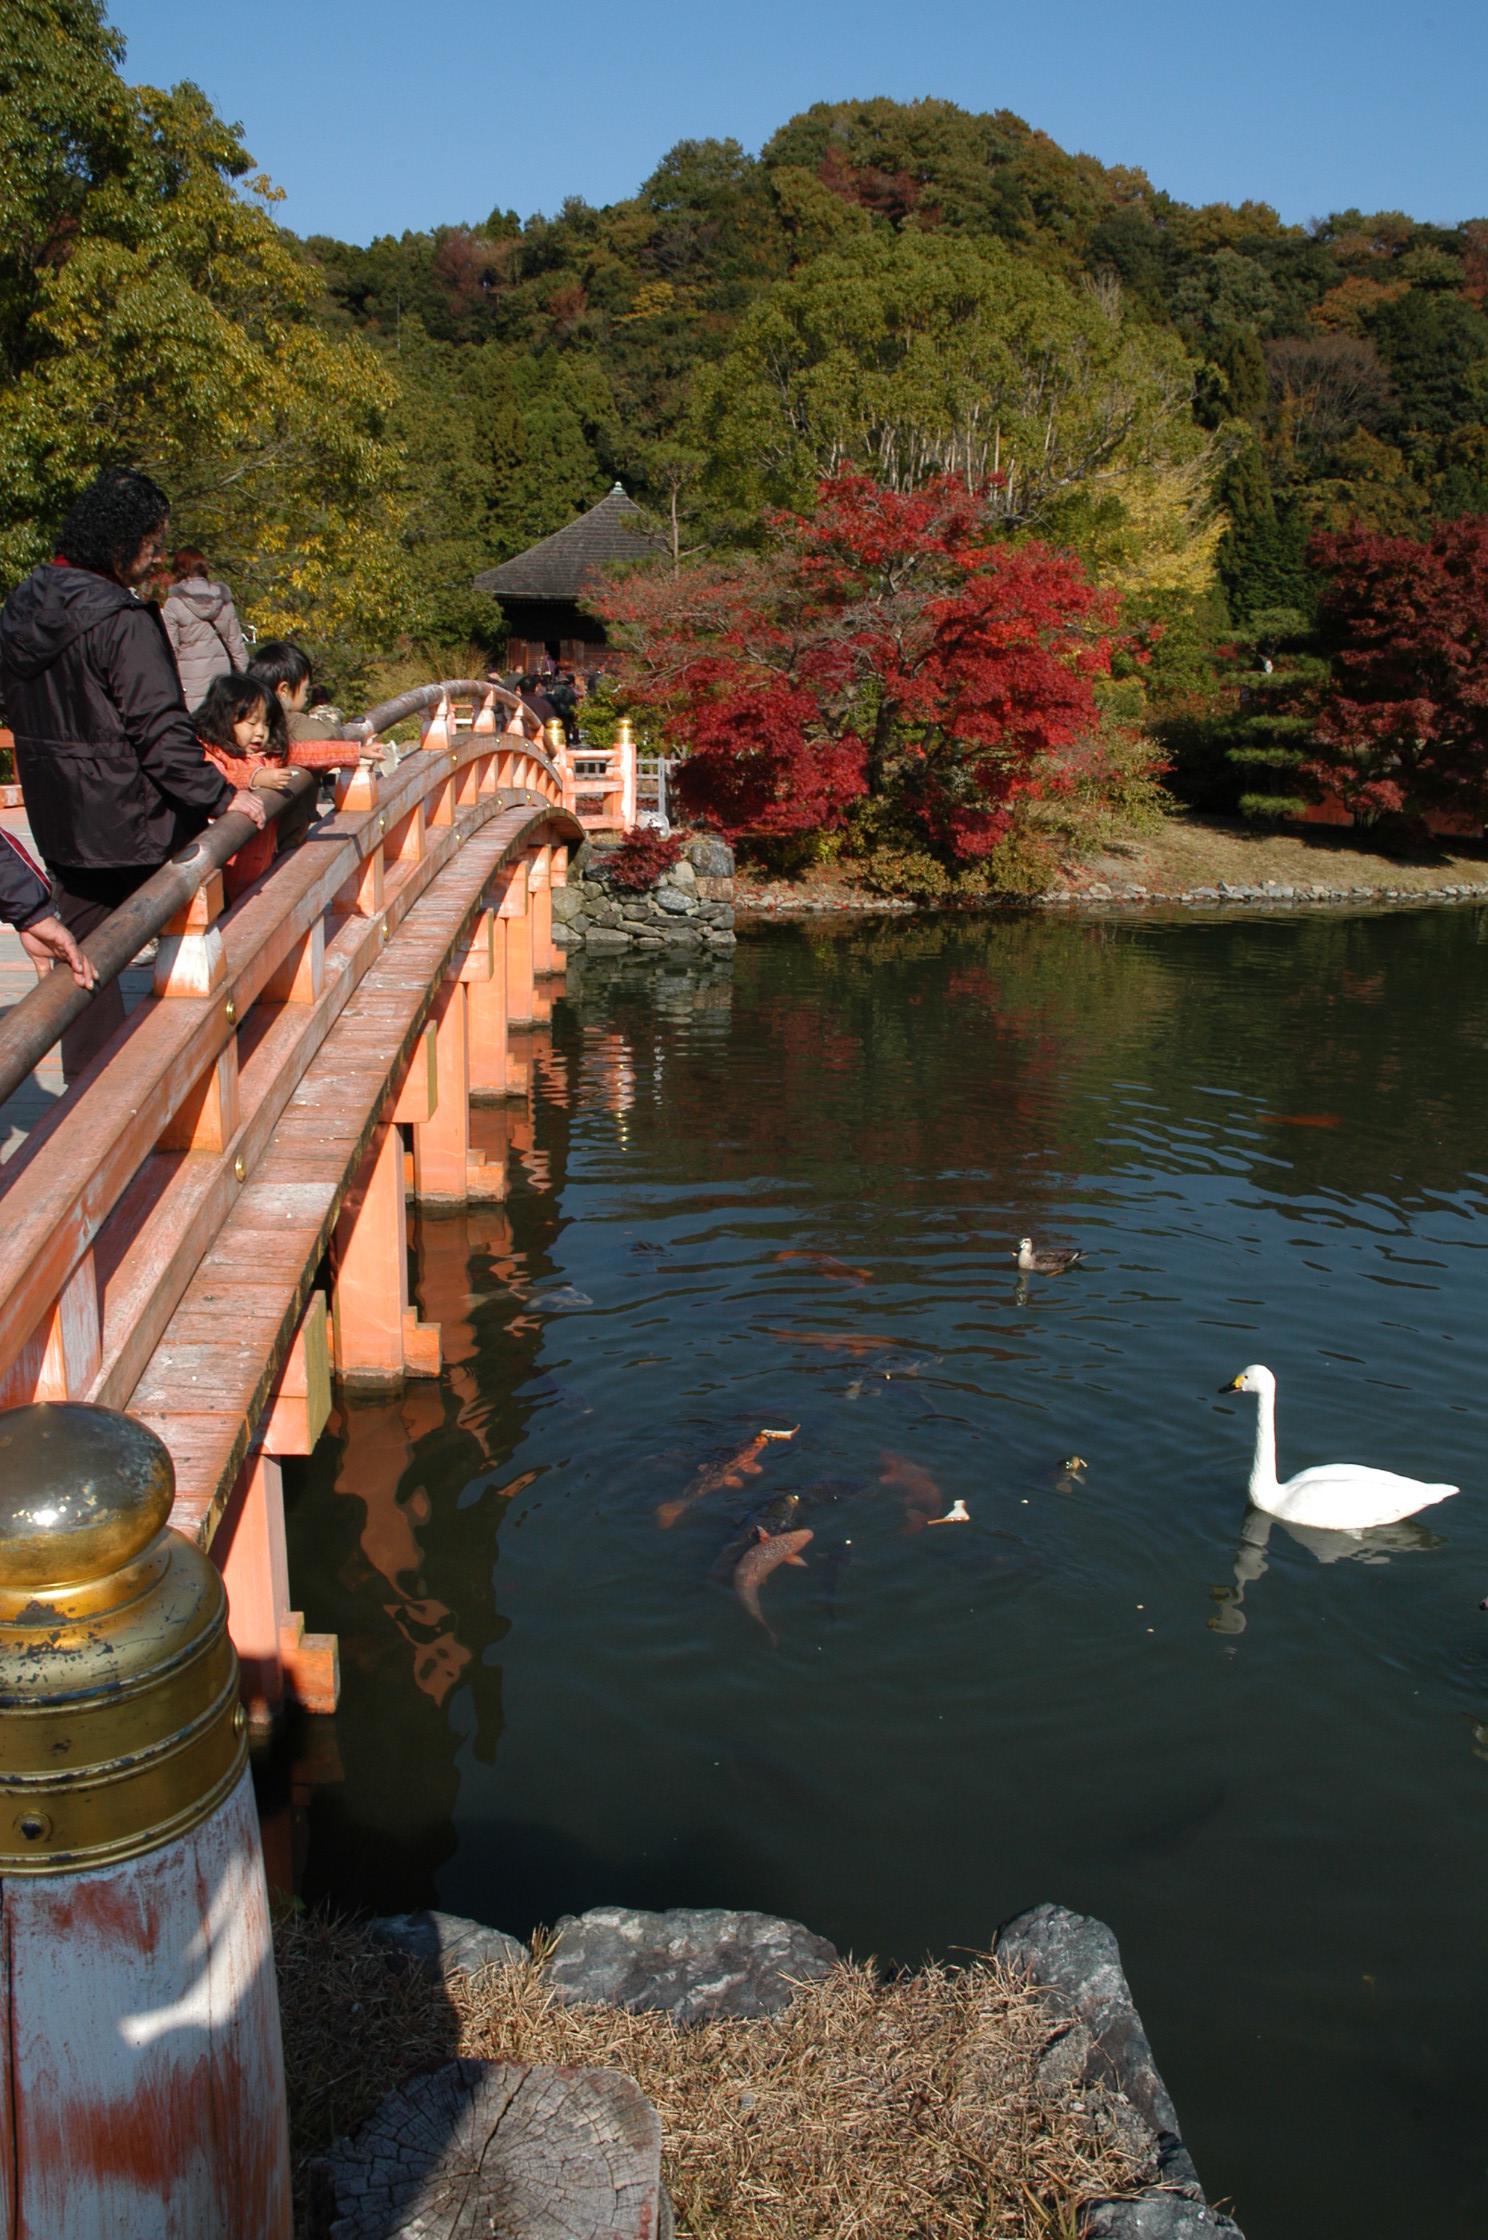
(112,774)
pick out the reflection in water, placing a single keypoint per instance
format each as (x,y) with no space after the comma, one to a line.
(790,1194)
(1374,1545)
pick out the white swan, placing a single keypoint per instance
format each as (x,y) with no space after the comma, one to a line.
(1336,1496)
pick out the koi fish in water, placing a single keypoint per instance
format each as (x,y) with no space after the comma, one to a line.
(772,1517)
(923,1499)
(756,1564)
(854,1342)
(839,1271)
(744,1464)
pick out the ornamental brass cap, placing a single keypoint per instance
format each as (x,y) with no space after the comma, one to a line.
(82,1490)
(120,1726)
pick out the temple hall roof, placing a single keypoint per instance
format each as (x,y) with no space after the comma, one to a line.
(568,563)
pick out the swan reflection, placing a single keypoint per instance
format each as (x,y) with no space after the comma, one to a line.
(1375,1545)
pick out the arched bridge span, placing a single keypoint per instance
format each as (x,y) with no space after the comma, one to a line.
(212,1220)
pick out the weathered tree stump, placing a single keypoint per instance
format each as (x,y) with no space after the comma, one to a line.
(493,2150)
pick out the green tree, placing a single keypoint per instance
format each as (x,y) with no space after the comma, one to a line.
(154,315)
(1262,555)
(914,354)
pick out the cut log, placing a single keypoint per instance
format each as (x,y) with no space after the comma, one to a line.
(478,2149)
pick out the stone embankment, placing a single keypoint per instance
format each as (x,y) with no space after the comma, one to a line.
(691,906)
(1101,895)
(1274,891)
(535,2150)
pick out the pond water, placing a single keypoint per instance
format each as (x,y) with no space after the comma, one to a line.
(788,1196)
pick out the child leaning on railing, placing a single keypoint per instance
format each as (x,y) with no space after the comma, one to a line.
(242,729)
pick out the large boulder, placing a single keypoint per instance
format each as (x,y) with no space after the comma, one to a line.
(710,857)
(446,1941)
(1074,1962)
(690,1963)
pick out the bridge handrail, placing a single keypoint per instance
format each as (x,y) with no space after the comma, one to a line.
(387,713)
(31,1027)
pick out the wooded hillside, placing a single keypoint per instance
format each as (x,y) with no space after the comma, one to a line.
(1196,403)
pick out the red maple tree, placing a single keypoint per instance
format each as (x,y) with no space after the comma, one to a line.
(886,644)
(1403,726)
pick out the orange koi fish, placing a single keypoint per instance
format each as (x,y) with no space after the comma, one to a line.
(839,1271)
(834,1341)
(923,1499)
(740,1466)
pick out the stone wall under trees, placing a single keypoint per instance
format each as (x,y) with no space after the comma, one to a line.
(689,906)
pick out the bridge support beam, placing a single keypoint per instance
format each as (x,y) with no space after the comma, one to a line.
(485,1021)
(277,1659)
(518,916)
(379,1339)
(441,1144)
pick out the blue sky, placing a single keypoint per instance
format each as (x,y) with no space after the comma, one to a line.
(375,117)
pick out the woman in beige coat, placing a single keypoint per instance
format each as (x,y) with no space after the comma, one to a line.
(202,625)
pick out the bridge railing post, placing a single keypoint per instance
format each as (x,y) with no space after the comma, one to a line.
(145,2073)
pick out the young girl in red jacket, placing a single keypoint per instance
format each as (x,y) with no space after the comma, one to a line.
(243,730)
(241,727)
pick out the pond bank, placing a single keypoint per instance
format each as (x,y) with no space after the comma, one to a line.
(1022,2084)
(1186,862)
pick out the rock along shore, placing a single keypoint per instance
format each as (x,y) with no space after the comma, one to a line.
(413,2160)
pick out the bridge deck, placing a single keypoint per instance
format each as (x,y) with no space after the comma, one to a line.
(212,1372)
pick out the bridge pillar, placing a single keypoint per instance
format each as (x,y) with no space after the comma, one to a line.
(517,912)
(446,1171)
(441,1144)
(378,1336)
(485,1022)
(276,1656)
(540,905)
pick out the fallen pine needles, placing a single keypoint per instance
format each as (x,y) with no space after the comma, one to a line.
(910,2109)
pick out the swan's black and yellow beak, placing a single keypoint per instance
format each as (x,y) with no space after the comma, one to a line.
(1233,1385)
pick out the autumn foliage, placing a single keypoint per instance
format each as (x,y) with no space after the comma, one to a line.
(641,859)
(1403,727)
(887,647)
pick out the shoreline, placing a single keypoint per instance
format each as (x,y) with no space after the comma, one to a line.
(1101,899)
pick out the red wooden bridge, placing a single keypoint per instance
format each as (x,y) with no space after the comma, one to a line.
(212,1221)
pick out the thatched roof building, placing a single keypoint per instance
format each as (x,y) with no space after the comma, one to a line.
(540,589)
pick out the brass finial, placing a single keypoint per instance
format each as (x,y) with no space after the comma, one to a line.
(120,1727)
(81,1491)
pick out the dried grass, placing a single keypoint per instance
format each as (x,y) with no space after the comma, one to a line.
(868,2110)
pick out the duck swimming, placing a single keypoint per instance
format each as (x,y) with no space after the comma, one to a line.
(1038,1261)
(1333,1496)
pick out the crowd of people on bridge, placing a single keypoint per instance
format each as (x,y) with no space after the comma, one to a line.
(551,693)
(135,723)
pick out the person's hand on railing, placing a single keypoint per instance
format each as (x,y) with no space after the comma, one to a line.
(246,803)
(47,942)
